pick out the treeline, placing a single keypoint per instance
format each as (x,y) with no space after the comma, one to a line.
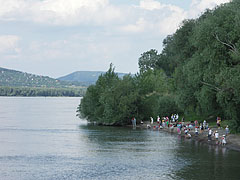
(28,91)
(197,72)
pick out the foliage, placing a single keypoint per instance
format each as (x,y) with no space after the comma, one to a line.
(30,91)
(112,101)
(148,60)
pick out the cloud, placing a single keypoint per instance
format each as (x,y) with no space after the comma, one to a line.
(9,44)
(155,18)
(151,5)
(59,12)
(198,6)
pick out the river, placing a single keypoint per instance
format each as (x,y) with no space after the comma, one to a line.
(42,139)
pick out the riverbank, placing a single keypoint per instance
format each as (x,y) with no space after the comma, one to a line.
(233,140)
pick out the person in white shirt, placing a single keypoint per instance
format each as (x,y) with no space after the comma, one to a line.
(196,130)
(209,134)
(151,120)
(224,142)
(158,120)
(216,134)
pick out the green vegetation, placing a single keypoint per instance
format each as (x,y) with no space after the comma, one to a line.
(16,83)
(114,101)
(197,72)
(29,91)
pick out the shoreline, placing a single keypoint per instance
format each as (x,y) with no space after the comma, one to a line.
(233,140)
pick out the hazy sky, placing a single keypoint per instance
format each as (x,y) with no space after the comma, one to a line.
(58,37)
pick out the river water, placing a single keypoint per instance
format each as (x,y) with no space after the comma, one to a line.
(41,138)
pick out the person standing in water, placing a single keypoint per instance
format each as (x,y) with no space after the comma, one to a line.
(227,130)
(151,120)
(224,142)
(134,122)
(209,134)
(216,134)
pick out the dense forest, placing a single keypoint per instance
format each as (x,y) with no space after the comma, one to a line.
(40,91)
(197,72)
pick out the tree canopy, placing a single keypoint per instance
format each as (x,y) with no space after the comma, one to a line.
(198,71)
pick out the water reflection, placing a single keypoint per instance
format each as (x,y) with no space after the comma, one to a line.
(208,162)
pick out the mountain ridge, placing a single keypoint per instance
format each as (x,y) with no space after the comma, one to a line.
(14,78)
(85,77)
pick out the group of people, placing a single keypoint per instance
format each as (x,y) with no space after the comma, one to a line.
(187,128)
(222,140)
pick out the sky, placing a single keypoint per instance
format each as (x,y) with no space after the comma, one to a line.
(57,37)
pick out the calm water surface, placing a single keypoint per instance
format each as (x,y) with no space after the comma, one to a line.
(41,138)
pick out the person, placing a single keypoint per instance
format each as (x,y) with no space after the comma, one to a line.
(178,130)
(183,119)
(219,122)
(224,142)
(201,127)
(172,118)
(216,134)
(204,124)
(227,130)
(177,116)
(196,122)
(179,126)
(163,123)
(134,122)
(151,120)
(158,119)
(196,130)
(209,134)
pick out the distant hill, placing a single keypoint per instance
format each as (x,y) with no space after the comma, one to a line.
(85,77)
(12,78)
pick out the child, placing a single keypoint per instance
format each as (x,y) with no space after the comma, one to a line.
(224,142)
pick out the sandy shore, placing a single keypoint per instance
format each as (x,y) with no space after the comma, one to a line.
(233,140)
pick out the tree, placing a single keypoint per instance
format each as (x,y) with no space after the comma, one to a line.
(148,60)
